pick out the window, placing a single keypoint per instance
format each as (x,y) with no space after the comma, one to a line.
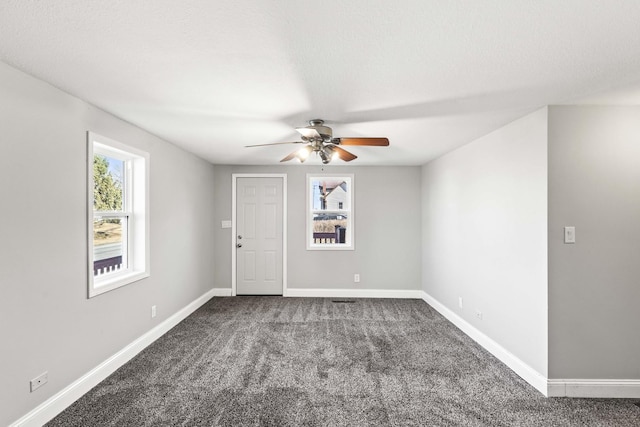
(118,220)
(330,212)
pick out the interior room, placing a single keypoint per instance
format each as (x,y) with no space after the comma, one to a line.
(480,163)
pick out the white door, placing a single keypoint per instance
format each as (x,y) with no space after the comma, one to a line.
(259,249)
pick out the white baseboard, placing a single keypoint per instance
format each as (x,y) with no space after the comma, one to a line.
(221,292)
(527,373)
(353,293)
(629,389)
(61,400)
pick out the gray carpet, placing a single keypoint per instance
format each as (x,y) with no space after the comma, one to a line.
(271,361)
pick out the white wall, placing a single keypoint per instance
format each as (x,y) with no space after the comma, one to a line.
(46,321)
(387,229)
(594,284)
(485,236)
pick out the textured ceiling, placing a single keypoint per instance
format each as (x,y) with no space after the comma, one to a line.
(213,76)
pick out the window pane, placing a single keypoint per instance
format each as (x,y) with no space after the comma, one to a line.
(109,239)
(329,228)
(108,183)
(329,195)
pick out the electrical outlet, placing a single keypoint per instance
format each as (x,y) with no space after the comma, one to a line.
(479,314)
(153,311)
(39,381)
(356,278)
(460,302)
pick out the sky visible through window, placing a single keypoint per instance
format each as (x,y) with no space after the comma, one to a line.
(115,168)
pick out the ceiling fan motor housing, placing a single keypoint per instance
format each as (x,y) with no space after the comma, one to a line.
(325,132)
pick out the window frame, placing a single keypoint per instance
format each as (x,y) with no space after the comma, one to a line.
(135,212)
(349,212)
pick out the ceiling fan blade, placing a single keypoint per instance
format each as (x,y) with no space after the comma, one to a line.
(379,142)
(344,154)
(274,143)
(308,133)
(289,157)
(302,154)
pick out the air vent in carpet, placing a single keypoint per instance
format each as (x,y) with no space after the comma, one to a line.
(342,301)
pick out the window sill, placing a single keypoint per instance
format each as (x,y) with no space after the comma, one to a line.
(330,248)
(106,284)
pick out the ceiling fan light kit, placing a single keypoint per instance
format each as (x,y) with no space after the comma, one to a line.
(319,139)
(302,154)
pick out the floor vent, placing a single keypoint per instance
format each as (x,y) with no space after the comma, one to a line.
(343,301)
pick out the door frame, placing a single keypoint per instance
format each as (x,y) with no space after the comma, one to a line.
(234,201)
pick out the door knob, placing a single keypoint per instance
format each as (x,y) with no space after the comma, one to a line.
(239,236)
(239,245)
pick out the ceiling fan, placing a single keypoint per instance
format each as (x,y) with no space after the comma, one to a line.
(319,139)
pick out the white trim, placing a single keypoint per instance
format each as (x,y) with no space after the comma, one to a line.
(629,389)
(222,292)
(234,199)
(61,400)
(527,373)
(136,256)
(354,293)
(349,245)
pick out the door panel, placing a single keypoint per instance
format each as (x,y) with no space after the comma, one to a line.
(271,221)
(249,221)
(270,266)
(259,243)
(249,270)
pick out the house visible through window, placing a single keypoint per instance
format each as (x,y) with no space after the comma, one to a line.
(118,222)
(330,212)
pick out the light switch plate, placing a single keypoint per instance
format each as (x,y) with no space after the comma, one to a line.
(225,224)
(570,234)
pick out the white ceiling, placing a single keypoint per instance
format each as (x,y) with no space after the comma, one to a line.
(214,76)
